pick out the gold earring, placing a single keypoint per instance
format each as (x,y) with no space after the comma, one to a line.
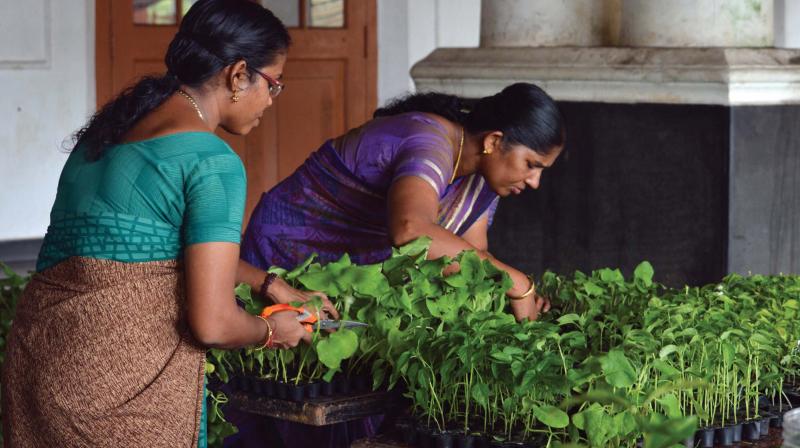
(487,151)
(235,97)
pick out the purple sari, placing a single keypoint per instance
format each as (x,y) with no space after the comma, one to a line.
(336,203)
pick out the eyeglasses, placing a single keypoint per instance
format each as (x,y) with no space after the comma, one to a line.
(275,86)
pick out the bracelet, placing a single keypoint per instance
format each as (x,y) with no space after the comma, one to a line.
(527,293)
(268,279)
(268,342)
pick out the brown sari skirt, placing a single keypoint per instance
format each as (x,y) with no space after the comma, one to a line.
(100,355)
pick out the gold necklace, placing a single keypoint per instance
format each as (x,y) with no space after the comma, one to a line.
(194,103)
(458,159)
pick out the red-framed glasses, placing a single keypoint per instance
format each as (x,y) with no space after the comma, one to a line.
(275,86)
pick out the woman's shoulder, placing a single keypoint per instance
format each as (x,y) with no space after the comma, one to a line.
(417,120)
(191,152)
(201,140)
(192,145)
(410,128)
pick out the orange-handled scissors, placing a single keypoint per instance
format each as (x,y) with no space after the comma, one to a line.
(309,320)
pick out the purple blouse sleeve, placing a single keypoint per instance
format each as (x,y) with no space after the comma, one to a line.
(492,209)
(425,153)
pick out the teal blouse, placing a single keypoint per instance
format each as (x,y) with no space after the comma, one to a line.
(146,200)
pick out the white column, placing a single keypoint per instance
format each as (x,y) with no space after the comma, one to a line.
(545,23)
(697,23)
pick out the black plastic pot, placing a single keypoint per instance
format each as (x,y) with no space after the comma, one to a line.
(407,432)
(281,390)
(725,436)
(443,439)
(763,425)
(737,433)
(508,444)
(268,386)
(313,390)
(343,385)
(482,442)
(244,384)
(297,392)
(751,431)
(257,387)
(362,383)
(689,442)
(465,441)
(776,421)
(272,388)
(329,388)
(707,437)
(424,438)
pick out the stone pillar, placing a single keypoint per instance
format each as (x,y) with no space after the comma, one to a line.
(697,23)
(544,23)
(682,136)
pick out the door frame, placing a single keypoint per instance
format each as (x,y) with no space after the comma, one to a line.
(104,56)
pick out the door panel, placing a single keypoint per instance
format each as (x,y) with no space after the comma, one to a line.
(301,129)
(330,76)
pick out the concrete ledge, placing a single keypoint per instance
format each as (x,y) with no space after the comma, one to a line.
(716,76)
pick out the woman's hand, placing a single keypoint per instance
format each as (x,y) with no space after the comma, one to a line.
(530,307)
(541,304)
(287,332)
(281,292)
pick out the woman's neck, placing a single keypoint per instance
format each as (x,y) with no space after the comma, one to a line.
(470,154)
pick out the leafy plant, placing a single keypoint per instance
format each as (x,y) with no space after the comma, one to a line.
(619,359)
(11,287)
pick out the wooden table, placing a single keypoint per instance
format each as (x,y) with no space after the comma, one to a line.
(318,411)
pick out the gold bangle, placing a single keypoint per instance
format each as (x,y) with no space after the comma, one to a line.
(268,340)
(530,291)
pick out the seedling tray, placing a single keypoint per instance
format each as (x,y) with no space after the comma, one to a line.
(773,441)
(319,411)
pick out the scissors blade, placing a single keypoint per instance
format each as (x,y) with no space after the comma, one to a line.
(329,324)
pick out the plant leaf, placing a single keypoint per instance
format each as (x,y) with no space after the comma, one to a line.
(617,369)
(551,416)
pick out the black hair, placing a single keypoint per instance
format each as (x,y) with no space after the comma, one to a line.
(212,35)
(523,112)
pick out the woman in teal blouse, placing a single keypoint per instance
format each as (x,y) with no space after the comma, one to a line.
(135,278)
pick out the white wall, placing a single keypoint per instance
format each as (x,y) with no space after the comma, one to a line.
(47,90)
(787,23)
(408,30)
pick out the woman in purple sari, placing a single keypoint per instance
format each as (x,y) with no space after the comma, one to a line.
(424,166)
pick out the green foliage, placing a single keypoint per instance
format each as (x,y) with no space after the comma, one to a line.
(11,287)
(615,361)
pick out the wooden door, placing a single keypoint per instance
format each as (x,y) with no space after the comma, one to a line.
(330,74)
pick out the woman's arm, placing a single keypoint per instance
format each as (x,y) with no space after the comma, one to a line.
(214,317)
(280,291)
(413,212)
(478,234)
